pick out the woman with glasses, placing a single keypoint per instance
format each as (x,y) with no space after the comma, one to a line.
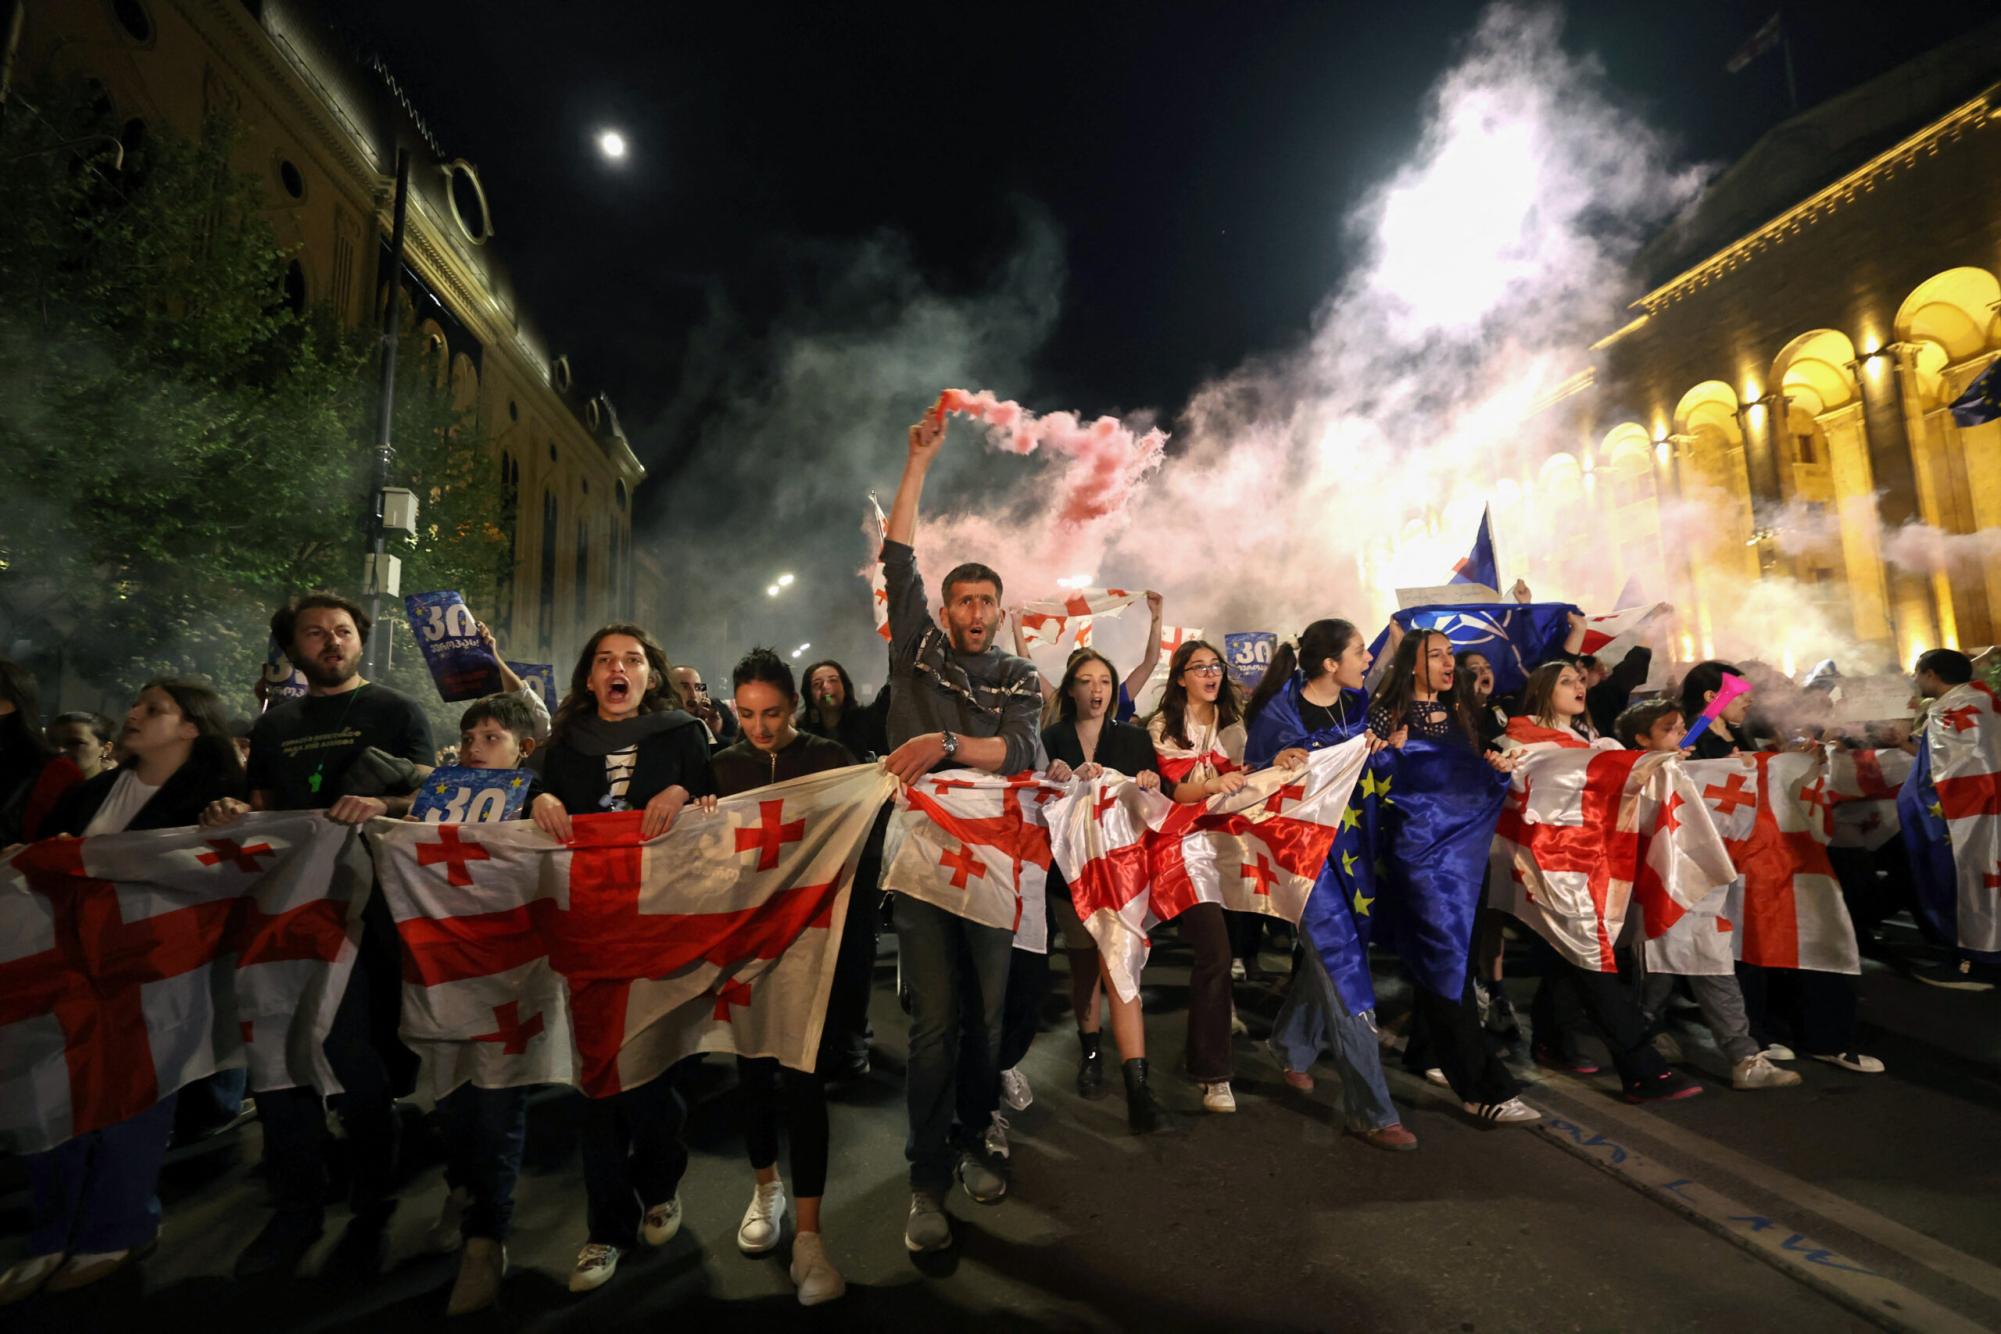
(1198,744)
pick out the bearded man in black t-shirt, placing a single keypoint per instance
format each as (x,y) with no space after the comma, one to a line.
(312,753)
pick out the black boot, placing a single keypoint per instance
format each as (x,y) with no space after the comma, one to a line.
(1144,1115)
(1090,1068)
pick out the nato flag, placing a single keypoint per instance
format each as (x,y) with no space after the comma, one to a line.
(1981,403)
(1477,566)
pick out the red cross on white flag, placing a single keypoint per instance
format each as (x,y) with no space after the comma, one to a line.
(976,845)
(1964,740)
(1611,637)
(132,964)
(1132,857)
(620,956)
(1085,602)
(1785,908)
(1588,832)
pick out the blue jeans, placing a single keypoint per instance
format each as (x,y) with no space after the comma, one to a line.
(485,1130)
(1313,1019)
(942,952)
(96,1193)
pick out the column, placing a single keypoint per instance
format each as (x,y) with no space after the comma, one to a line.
(1888,384)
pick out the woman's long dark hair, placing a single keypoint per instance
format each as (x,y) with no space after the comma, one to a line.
(212,756)
(1324,639)
(1398,690)
(809,708)
(659,693)
(17,687)
(1701,679)
(1173,710)
(1066,704)
(1538,694)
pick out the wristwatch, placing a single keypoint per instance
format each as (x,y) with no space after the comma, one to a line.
(951,741)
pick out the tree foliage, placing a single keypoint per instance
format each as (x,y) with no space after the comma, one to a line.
(181,450)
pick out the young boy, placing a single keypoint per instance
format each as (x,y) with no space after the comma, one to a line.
(1695,940)
(484,1128)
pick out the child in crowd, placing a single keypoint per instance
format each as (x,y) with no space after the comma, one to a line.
(484,1127)
(1698,940)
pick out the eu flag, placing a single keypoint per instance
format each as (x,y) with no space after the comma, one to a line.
(1477,566)
(1441,808)
(1981,403)
(1928,846)
(1339,911)
(1515,637)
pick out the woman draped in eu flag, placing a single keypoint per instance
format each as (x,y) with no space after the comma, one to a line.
(1311,697)
(1433,837)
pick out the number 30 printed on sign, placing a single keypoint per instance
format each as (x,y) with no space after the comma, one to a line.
(1248,654)
(471,796)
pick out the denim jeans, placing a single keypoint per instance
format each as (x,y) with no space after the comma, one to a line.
(97,1192)
(1313,1019)
(938,950)
(633,1156)
(484,1131)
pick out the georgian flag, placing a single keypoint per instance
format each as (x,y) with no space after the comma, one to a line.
(1588,831)
(1172,637)
(1610,638)
(878,583)
(976,845)
(604,961)
(1097,835)
(1084,602)
(134,964)
(1865,784)
(1258,849)
(1774,811)
(1962,741)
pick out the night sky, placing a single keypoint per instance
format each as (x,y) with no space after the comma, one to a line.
(1197,159)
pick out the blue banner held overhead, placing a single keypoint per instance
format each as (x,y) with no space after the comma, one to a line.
(461,664)
(282,681)
(539,677)
(1248,654)
(456,795)
(1477,565)
(1514,637)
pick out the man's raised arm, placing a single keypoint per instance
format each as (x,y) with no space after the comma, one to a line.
(925,437)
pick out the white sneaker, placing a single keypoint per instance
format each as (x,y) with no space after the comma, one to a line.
(1237,973)
(1755,1072)
(1218,1098)
(1238,1029)
(25,1279)
(1856,1061)
(445,1235)
(662,1221)
(813,1273)
(1513,1112)
(995,1138)
(764,1221)
(596,1263)
(1778,1051)
(1016,1095)
(1436,1075)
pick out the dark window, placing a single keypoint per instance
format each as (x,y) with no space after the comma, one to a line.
(132,136)
(619,487)
(513,411)
(132,17)
(289,177)
(547,622)
(552,451)
(469,201)
(295,288)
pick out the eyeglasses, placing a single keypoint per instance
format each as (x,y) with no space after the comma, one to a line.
(699,687)
(1205,669)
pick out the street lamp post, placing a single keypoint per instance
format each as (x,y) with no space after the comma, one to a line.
(385,447)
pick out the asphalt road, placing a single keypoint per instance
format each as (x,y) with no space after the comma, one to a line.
(1851,1203)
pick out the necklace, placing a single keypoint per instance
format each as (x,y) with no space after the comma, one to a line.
(318,775)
